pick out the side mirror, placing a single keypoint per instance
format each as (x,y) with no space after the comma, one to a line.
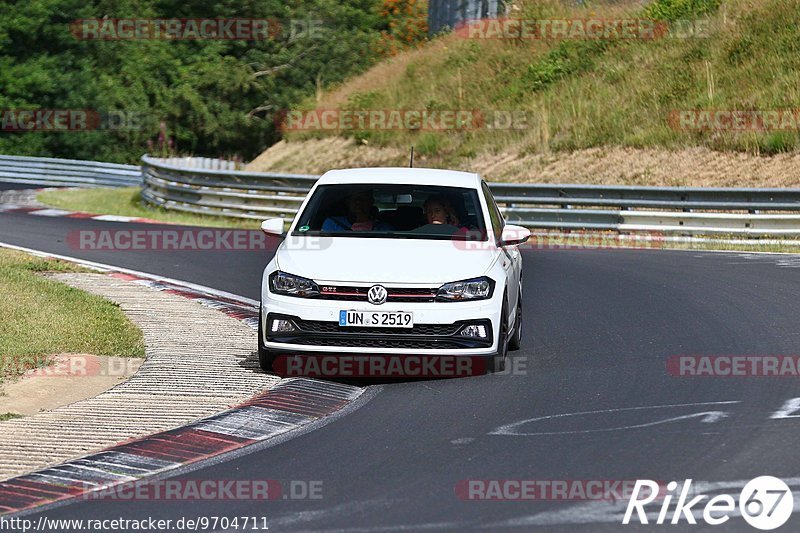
(514,235)
(273,226)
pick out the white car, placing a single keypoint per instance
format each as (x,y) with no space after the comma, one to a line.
(394,262)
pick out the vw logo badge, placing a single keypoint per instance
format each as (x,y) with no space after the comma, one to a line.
(377,294)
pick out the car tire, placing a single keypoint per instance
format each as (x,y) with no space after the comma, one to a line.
(516,339)
(497,363)
(265,357)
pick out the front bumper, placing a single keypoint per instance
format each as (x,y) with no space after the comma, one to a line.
(437,327)
(420,337)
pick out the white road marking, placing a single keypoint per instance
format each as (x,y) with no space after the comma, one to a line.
(707,417)
(51,213)
(785,261)
(790,406)
(114,218)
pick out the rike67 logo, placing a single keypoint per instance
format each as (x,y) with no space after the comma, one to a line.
(765,503)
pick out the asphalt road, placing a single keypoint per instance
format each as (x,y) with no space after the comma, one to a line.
(11,186)
(599,328)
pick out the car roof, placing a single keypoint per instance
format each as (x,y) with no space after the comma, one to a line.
(390,175)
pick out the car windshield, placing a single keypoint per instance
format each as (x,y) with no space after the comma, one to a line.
(393,211)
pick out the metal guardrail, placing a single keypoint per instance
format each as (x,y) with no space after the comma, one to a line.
(223,192)
(195,185)
(684,210)
(207,163)
(68,172)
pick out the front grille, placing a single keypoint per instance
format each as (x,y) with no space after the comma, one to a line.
(320,326)
(359,294)
(366,342)
(419,337)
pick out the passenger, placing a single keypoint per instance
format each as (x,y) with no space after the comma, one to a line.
(360,215)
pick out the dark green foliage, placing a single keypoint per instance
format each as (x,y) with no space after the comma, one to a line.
(212,97)
(670,10)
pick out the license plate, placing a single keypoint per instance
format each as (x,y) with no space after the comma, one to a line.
(376,319)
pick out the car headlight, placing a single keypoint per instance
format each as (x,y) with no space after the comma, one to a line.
(290,285)
(469,289)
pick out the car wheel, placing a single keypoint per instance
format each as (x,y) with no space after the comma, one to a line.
(265,356)
(516,339)
(497,363)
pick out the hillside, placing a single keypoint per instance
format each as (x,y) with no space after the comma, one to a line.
(597,110)
(694,166)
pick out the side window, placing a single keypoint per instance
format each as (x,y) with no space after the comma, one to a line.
(494,212)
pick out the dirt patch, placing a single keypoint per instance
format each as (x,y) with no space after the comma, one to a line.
(71,377)
(319,155)
(695,167)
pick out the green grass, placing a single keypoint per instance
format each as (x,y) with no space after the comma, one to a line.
(9,416)
(126,201)
(42,317)
(582,94)
(737,247)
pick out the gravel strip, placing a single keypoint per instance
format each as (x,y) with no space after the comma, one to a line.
(21,198)
(199,362)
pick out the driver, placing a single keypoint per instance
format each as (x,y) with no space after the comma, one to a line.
(438,210)
(440,217)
